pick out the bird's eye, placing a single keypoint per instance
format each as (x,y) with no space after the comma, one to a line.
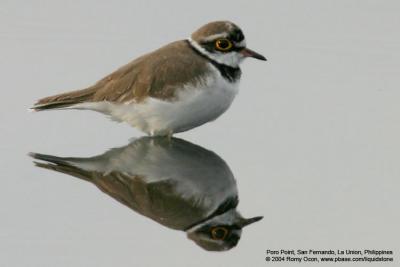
(223,44)
(219,233)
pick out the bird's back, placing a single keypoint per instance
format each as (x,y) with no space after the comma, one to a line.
(159,74)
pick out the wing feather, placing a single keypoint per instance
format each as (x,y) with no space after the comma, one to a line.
(159,74)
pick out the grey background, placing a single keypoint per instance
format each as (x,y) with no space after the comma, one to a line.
(312,138)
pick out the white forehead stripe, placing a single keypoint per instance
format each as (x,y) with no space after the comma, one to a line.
(241,43)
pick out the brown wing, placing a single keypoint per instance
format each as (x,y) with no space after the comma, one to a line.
(158,74)
(158,201)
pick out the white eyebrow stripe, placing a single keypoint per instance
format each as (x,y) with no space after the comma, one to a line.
(224,35)
(229,25)
(215,36)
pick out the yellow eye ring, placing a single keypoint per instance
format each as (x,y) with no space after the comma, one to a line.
(219,233)
(223,44)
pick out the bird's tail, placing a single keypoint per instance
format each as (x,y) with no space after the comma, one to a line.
(64,100)
(61,164)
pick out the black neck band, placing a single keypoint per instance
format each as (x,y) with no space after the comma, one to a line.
(229,204)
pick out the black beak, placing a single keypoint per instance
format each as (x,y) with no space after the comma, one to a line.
(250,53)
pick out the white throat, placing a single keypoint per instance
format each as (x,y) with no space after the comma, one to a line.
(231,59)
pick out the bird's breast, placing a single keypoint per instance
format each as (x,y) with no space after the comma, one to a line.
(196,105)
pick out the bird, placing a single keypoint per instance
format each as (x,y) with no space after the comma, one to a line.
(175,183)
(175,88)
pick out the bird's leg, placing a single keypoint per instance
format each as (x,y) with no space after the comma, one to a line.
(169,135)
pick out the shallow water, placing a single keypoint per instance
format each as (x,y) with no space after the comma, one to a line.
(311,141)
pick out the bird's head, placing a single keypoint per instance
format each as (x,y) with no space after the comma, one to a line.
(223,42)
(220,233)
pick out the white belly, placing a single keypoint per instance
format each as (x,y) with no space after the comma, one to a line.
(192,107)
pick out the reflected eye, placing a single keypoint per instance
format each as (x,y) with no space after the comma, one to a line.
(223,44)
(219,233)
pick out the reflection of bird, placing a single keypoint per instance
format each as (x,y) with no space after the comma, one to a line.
(173,89)
(177,184)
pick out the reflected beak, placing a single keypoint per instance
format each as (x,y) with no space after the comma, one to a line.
(250,53)
(246,222)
